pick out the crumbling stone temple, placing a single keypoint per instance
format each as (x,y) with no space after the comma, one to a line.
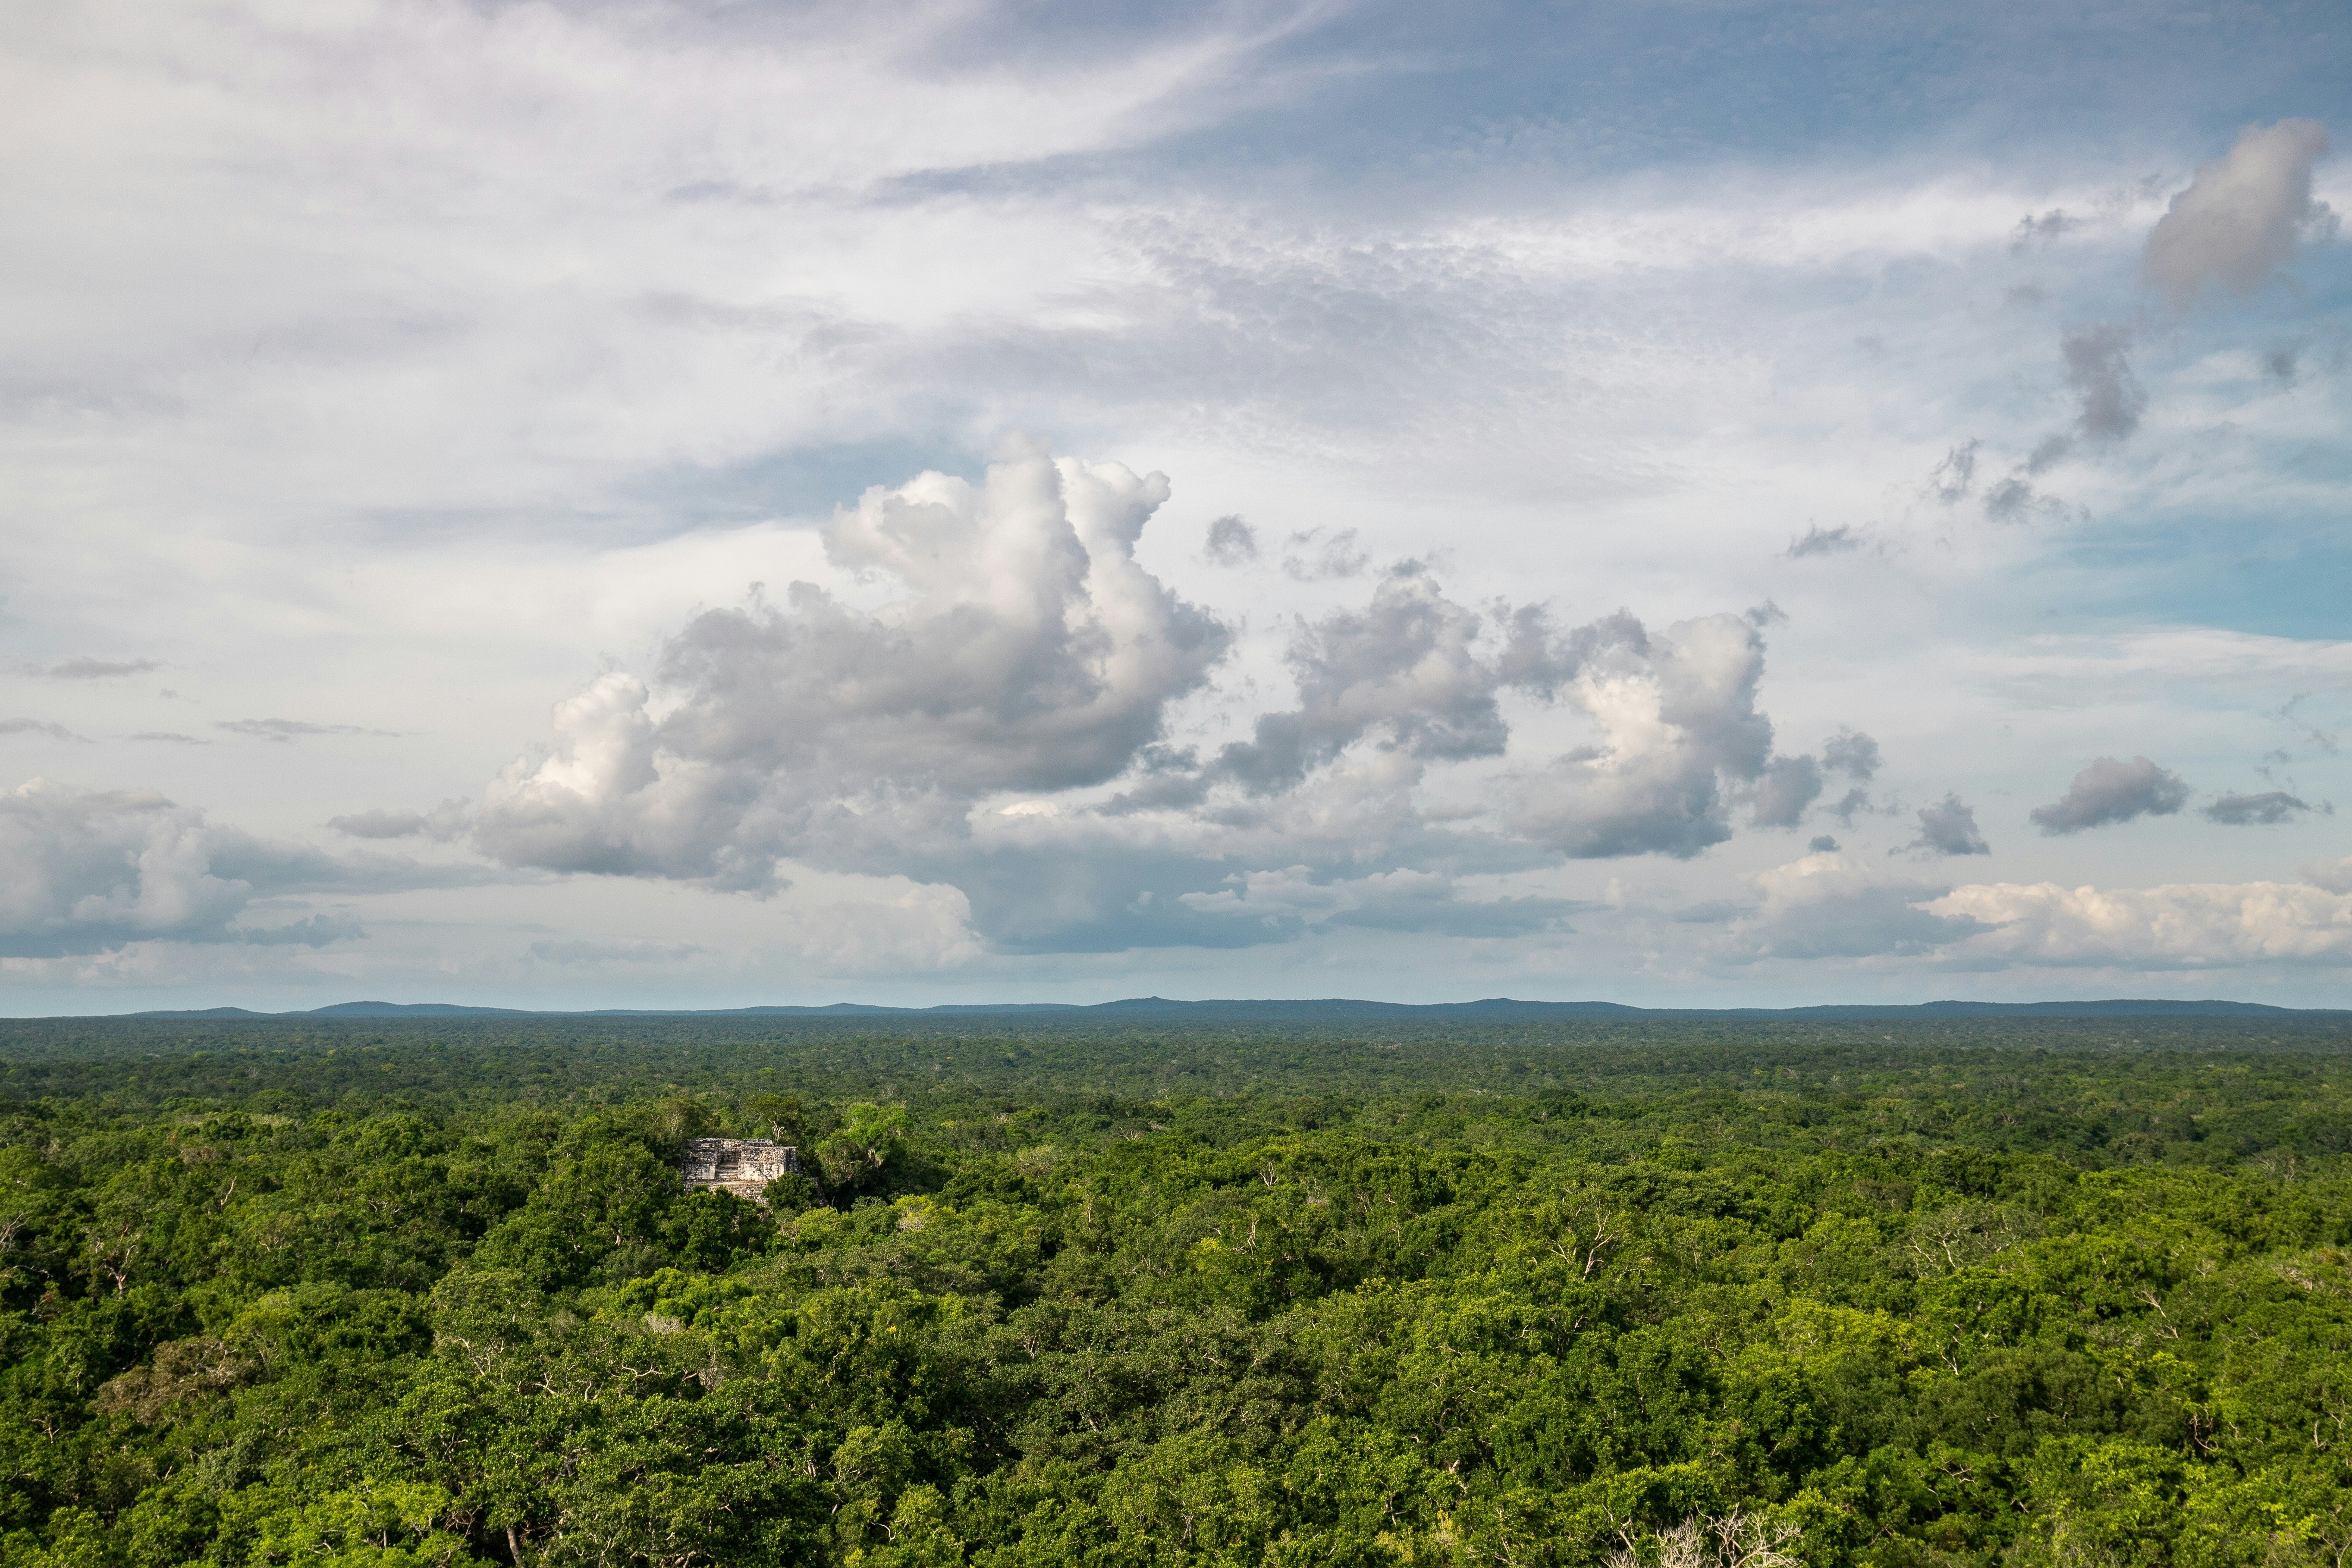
(743,1166)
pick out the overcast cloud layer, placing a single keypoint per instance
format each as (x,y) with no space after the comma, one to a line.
(576,506)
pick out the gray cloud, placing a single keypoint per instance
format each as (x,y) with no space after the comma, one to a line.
(1820,540)
(1852,753)
(2009,501)
(2049,452)
(2239,219)
(2108,396)
(2111,790)
(171,736)
(2264,810)
(1789,787)
(1948,827)
(1823,845)
(1232,541)
(97,668)
(38,727)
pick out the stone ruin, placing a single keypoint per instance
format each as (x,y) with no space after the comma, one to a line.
(743,1166)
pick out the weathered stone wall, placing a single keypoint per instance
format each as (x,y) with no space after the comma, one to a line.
(743,1166)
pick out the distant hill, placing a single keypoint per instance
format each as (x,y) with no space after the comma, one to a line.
(1333,1010)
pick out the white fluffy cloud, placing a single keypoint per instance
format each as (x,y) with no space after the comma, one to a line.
(2180,926)
(1829,905)
(1029,651)
(2242,215)
(1679,727)
(1014,646)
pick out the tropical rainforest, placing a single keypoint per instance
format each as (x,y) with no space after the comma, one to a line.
(1651,1295)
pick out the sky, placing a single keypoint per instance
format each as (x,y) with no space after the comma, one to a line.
(698,505)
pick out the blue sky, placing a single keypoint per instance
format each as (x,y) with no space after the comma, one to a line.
(701,505)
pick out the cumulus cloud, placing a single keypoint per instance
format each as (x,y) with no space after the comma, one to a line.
(949,737)
(1678,723)
(1232,541)
(2263,810)
(87,871)
(2240,218)
(2336,875)
(1827,906)
(1029,651)
(1408,665)
(2108,792)
(1948,827)
(2183,926)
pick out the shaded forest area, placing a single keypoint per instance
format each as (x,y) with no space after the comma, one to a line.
(1655,1295)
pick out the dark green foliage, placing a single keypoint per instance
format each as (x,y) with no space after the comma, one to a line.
(402,1294)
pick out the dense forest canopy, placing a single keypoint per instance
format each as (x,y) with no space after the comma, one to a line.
(1677,1293)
